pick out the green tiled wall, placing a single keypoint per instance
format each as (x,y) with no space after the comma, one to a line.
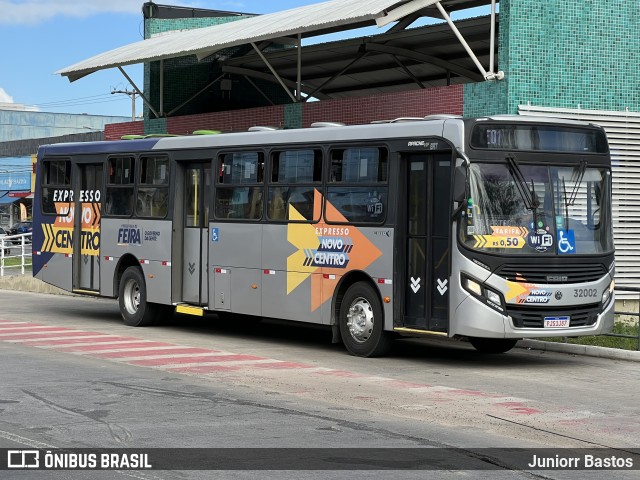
(293,115)
(564,53)
(155,126)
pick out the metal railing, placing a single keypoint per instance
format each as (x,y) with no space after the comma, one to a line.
(631,314)
(15,247)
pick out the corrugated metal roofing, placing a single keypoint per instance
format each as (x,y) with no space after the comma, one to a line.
(205,41)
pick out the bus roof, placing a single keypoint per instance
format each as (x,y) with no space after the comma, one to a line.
(436,126)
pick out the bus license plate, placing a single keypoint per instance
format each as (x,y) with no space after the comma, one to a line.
(556,322)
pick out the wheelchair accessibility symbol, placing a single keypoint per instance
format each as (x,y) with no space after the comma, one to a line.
(214,235)
(566,242)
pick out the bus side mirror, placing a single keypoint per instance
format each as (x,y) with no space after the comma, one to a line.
(460,184)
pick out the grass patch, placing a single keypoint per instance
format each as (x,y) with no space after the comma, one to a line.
(16,262)
(604,340)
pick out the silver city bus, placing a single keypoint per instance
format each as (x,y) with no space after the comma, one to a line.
(491,229)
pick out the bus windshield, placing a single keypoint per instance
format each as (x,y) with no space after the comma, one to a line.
(538,210)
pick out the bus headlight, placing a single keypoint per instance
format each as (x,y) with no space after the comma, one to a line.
(483,293)
(606,295)
(493,297)
(473,286)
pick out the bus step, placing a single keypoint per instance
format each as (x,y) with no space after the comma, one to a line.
(85,292)
(420,332)
(190,310)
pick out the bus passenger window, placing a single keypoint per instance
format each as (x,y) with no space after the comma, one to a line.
(294,172)
(357,187)
(119,191)
(239,190)
(56,175)
(153,187)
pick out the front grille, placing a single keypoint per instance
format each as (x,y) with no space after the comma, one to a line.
(548,274)
(528,316)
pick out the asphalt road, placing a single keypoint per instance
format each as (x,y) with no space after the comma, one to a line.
(72,376)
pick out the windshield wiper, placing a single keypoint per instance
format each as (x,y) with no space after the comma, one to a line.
(569,201)
(528,195)
(576,186)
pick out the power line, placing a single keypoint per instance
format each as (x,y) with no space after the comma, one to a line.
(54,102)
(76,103)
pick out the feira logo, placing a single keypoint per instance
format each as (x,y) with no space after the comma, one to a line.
(324,249)
(129,235)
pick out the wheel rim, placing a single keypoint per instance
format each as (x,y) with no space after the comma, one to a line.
(132,296)
(360,320)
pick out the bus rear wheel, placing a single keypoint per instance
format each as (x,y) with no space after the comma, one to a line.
(492,345)
(361,322)
(132,298)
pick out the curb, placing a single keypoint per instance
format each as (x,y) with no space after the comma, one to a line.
(26,283)
(587,350)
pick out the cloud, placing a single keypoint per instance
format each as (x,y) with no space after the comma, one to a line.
(5,97)
(32,12)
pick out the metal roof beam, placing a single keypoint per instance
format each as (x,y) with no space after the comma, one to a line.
(266,77)
(432,81)
(135,87)
(273,71)
(408,72)
(339,74)
(404,23)
(421,57)
(486,76)
(195,95)
(253,84)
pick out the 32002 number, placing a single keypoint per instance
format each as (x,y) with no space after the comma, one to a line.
(585,292)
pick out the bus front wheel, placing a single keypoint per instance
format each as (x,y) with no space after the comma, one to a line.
(132,298)
(492,345)
(361,322)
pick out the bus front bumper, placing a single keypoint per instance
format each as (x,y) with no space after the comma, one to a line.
(475,319)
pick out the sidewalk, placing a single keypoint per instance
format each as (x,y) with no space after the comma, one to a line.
(589,350)
(27,283)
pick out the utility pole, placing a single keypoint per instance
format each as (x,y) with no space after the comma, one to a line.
(132,94)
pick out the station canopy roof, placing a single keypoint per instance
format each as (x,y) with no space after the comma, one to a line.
(426,56)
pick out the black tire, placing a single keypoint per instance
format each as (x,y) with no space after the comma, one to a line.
(132,298)
(362,322)
(492,345)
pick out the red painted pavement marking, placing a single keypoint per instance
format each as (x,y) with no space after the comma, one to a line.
(124,342)
(41,336)
(37,335)
(153,352)
(156,362)
(4,333)
(88,338)
(518,407)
